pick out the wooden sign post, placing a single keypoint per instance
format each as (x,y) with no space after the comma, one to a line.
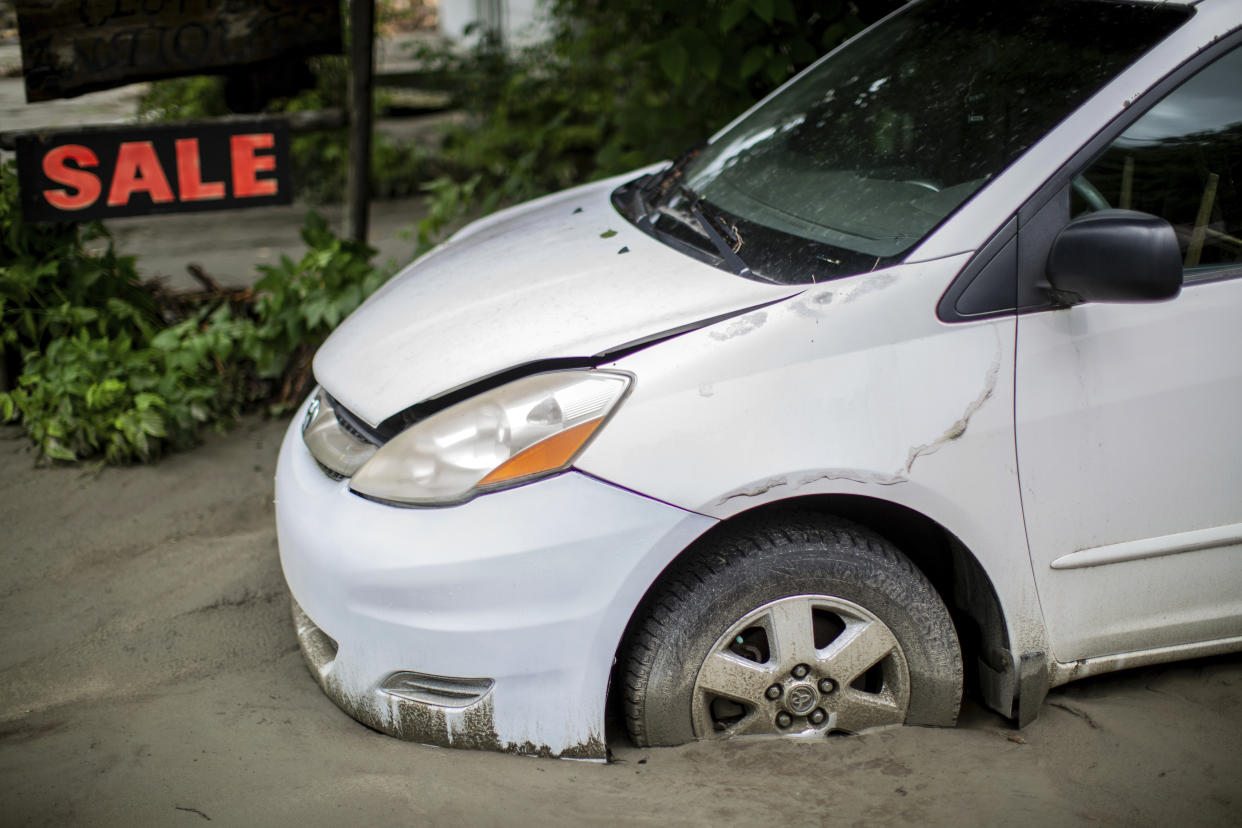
(361,60)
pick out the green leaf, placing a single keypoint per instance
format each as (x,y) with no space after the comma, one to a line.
(753,61)
(733,14)
(765,9)
(314,310)
(145,400)
(777,68)
(331,315)
(608,234)
(56,451)
(83,316)
(350,298)
(833,35)
(103,394)
(784,10)
(801,52)
(707,59)
(153,423)
(673,60)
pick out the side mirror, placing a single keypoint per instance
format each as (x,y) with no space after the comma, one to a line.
(1115,256)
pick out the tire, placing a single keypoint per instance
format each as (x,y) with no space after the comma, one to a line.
(795,625)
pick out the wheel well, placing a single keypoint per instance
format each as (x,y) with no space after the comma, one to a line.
(944,560)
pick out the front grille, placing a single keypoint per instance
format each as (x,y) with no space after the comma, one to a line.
(328,472)
(345,424)
(353,424)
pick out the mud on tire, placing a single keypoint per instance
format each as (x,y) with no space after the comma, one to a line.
(807,602)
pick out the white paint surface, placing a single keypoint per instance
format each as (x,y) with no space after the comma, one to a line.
(1127,432)
(537,282)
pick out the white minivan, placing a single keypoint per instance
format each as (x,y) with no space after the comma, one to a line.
(921,377)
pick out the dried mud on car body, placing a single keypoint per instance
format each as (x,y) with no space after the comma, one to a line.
(150,675)
(472,727)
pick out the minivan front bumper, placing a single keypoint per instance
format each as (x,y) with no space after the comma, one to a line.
(492,624)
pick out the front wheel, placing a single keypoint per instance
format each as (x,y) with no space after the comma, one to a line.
(796,626)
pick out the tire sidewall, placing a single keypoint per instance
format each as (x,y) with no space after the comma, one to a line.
(816,563)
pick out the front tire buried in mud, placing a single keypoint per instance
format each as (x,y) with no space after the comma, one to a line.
(797,626)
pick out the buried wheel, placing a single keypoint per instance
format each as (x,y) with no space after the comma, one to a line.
(797,626)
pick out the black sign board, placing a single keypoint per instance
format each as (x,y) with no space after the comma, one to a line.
(75,46)
(131,171)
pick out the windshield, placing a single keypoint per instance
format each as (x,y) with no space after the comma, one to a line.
(861,157)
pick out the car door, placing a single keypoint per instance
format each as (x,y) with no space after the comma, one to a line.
(1129,416)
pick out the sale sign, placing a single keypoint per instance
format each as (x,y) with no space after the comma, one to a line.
(130,171)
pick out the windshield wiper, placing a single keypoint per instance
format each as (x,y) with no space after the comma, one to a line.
(652,196)
(657,185)
(726,248)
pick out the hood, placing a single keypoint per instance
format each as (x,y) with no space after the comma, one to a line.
(563,276)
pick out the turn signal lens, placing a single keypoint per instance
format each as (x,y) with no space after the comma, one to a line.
(552,453)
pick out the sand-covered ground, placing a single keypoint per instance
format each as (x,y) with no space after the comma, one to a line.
(149,675)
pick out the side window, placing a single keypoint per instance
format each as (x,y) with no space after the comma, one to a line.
(1182,161)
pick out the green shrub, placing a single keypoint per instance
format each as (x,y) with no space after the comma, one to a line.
(588,103)
(175,99)
(86,395)
(52,283)
(102,373)
(297,304)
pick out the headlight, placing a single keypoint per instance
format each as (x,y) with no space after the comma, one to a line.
(528,428)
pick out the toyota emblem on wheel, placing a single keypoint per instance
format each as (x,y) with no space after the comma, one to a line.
(800,699)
